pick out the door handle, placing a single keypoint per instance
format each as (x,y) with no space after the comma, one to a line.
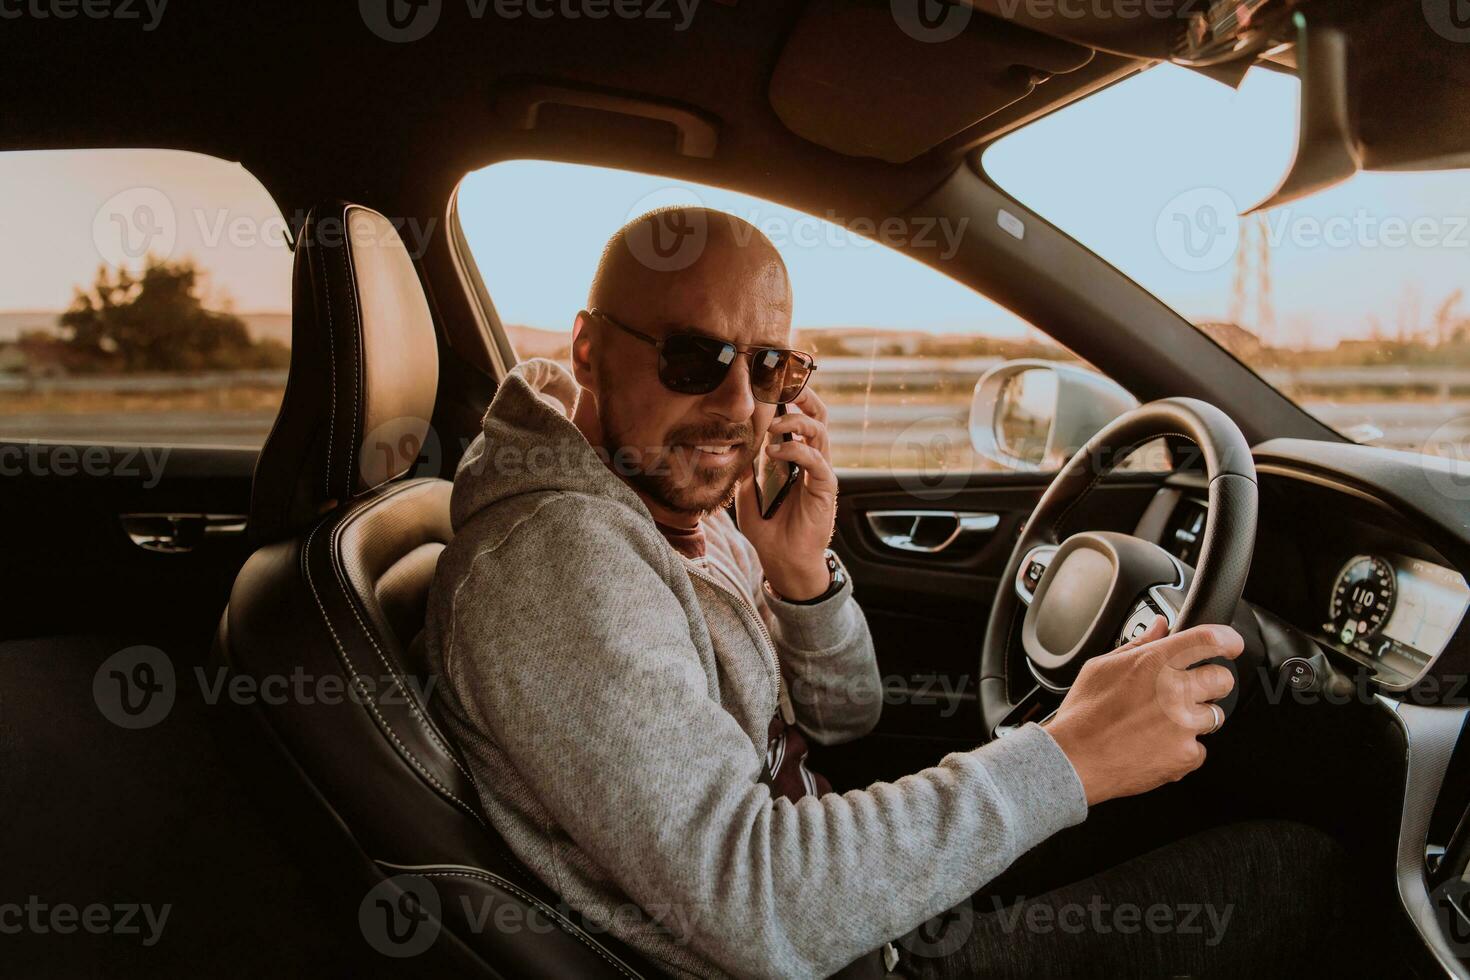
(928,531)
(179,533)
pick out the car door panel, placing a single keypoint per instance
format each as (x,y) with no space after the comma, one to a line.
(928,610)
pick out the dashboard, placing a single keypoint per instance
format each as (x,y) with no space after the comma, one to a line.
(1354,565)
(1364,551)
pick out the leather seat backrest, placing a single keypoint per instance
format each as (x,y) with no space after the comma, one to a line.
(336,594)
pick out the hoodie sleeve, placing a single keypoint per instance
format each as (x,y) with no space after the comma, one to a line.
(827,656)
(828,660)
(583,671)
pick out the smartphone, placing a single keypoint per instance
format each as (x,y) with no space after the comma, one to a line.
(773,478)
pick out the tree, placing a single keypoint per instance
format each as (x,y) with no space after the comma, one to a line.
(155,321)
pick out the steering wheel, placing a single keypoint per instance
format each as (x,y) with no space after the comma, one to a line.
(1076,598)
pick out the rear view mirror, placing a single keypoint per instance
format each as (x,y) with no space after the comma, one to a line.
(1382,89)
(1031,415)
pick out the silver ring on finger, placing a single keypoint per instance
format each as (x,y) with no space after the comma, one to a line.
(1219,714)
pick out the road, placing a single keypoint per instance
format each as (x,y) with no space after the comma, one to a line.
(882,425)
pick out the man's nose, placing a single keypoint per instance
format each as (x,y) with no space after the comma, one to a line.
(733,399)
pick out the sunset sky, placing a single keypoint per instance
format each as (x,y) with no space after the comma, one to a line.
(1104,170)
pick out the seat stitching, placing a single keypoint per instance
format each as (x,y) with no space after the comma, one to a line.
(357,367)
(569,927)
(371,704)
(382,658)
(331,372)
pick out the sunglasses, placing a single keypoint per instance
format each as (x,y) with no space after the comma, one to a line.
(693,364)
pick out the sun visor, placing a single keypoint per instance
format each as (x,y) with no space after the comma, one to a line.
(880,80)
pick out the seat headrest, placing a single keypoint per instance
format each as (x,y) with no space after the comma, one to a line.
(363,377)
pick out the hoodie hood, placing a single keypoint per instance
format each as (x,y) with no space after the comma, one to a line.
(529,444)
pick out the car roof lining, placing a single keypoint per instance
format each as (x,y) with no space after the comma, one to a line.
(328,109)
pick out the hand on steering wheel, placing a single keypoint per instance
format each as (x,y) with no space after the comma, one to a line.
(1064,603)
(1131,721)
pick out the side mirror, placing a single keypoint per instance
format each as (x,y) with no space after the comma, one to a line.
(1032,415)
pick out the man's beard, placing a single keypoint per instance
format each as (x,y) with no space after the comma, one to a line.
(674,475)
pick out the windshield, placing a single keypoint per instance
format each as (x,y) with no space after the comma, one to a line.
(1350,301)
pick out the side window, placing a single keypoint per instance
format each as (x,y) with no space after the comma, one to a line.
(144,298)
(900,347)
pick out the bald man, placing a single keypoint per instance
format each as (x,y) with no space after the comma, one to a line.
(635,681)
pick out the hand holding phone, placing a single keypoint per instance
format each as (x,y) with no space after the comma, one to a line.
(773,478)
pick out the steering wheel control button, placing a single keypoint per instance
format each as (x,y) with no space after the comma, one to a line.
(1032,570)
(1300,674)
(1138,622)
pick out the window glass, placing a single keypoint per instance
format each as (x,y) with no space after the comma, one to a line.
(144,299)
(1350,301)
(899,346)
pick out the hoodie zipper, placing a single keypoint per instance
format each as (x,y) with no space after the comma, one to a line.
(783,702)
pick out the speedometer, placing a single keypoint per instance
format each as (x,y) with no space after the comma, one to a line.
(1362,598)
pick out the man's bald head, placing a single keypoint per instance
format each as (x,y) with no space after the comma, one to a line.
(672,247)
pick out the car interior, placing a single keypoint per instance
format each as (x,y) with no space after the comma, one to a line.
(262,822)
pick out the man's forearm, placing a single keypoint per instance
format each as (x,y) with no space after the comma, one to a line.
(831,668)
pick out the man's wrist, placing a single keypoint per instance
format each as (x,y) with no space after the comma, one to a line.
(800,583)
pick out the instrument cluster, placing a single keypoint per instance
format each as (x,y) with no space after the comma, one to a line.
(1394,612)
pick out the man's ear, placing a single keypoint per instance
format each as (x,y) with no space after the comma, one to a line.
(582,340)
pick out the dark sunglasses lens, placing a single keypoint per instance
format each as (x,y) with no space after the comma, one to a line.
(694,365)
(778,376)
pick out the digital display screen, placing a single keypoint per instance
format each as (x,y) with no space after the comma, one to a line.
(1431,602)
(1396,610)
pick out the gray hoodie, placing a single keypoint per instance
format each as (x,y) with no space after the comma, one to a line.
(612,698)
